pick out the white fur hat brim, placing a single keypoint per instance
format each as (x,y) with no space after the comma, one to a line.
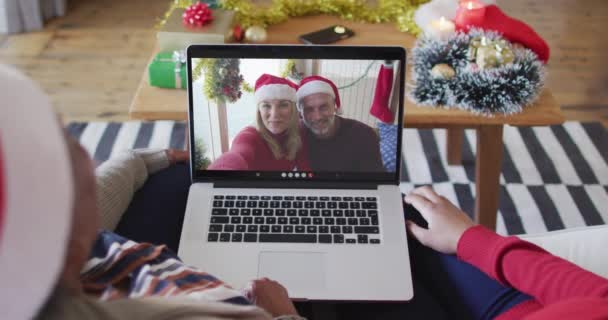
(38,190)
(275,91)
(313,87)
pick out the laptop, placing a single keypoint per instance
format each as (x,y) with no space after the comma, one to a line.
(324,233)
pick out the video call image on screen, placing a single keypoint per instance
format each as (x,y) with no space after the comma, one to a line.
(301,115)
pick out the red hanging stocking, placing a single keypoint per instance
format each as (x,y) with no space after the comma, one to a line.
(380,106)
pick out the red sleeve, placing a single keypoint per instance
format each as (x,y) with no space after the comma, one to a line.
(241,154)
(528,268)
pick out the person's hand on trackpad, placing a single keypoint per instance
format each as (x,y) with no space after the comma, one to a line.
(272,297)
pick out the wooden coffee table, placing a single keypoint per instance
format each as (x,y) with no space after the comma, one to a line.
(151,103)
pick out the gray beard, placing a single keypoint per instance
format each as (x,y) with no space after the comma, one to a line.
(332,122)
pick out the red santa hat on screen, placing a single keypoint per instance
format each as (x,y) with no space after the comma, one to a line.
(36,196)
(317,84)
(269,87)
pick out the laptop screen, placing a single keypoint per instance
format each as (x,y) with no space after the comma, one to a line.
(300,113)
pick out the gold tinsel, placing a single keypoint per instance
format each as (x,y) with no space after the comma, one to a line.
(247,87)
(249,14)
(175,4)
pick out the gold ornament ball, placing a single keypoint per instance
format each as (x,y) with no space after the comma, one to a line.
(256,34)
(443,71)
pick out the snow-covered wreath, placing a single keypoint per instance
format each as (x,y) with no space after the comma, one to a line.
(477,71)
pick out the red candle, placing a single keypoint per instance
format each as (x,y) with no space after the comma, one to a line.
(470,13)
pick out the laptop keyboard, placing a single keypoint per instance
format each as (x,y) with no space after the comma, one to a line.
(253,218)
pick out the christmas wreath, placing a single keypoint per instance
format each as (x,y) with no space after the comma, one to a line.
(477,71)
(223,79)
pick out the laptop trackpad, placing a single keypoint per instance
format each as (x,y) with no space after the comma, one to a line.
(299,272)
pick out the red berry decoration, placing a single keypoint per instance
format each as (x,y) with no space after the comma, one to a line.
(238,33)
(197,15)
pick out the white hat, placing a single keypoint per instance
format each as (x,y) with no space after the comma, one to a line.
(36,196)
(269,87)
(317,84)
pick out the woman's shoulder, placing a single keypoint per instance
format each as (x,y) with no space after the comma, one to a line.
(248,134)
(248,130)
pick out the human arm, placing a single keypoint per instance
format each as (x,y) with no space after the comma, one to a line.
(229,161)
(510,260)
(64,306)
(118,179)
(528,268)
(241,154)
(273,297)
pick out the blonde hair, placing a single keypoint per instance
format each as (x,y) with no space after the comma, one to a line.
(293,141)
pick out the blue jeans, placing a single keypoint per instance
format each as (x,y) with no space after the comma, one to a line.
(463,290)
(443,285)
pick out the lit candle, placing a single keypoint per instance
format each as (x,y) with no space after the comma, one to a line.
(470,13)
(441,29)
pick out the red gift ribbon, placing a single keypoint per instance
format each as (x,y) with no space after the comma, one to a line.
(197,15)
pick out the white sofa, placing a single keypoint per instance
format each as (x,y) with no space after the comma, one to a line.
(585,246)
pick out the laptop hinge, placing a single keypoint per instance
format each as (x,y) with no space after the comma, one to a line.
(296,185)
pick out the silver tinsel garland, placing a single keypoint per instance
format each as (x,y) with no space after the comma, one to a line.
(506,89)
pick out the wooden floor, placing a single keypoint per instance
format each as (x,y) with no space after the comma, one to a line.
(90,61)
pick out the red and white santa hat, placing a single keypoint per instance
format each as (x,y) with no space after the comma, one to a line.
(317,84)
(36,196)
(269,87)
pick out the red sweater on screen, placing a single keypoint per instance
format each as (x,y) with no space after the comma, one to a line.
(561,289)
(249,151)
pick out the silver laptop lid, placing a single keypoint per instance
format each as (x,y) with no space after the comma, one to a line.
(295,114)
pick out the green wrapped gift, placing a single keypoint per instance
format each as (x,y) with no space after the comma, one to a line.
(168,70)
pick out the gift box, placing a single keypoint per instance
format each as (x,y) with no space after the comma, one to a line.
(175,35)
(168,70)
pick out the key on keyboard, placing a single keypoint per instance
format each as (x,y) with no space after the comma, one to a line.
(294,219)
